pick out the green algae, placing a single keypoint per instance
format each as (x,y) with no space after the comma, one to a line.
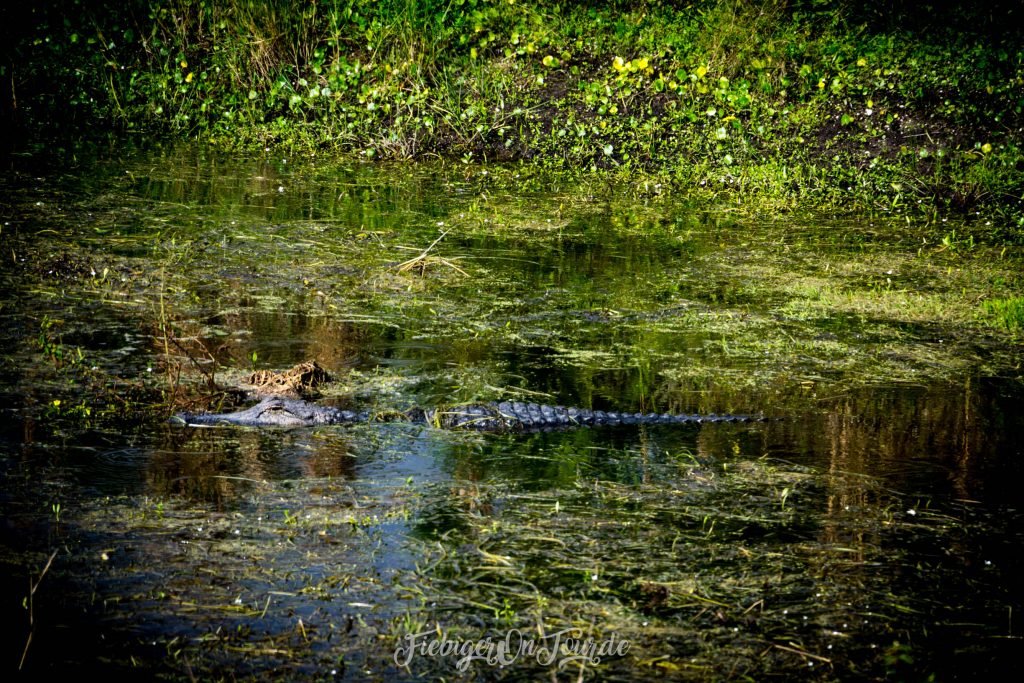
(595,284)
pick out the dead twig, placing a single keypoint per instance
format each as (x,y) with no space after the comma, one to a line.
(32,587)
(424,258)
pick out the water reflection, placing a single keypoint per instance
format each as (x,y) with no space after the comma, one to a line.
(937,444)
(940,441)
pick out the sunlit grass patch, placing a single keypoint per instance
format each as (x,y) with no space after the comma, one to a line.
(893,305)
(1006,313)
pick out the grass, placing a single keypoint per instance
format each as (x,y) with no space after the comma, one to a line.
(782,104)
(1005,313)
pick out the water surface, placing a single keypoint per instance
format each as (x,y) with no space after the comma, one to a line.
(870,532)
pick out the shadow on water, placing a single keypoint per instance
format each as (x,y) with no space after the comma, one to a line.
(870,532)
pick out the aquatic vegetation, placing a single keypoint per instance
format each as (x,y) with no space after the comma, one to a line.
(826,544)
(728,564)
(684,297)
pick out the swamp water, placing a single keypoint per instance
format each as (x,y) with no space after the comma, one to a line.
(871,532)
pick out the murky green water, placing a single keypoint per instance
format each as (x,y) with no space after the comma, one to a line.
(872,532)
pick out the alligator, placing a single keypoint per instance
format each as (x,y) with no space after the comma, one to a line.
(506,416)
